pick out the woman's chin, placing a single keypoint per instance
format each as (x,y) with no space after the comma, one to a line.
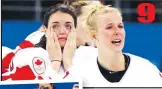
(62,44)
(118,49)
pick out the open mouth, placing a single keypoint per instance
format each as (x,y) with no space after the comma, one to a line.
(62,39)
(116,42)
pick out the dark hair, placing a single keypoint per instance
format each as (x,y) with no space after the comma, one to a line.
(44,87)
(42,42)
(58,7)
(62,8)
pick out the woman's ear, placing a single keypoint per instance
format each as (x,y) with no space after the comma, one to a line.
(93,34)
(94,38)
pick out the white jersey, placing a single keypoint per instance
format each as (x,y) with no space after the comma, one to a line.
(31,64)
(21,58)
(139,73)
(8,54)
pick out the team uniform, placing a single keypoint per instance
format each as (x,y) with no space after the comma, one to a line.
(33,64)
(37,66)
(20,62)
(7,54)
(139,73)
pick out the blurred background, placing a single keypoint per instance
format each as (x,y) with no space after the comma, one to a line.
(22,17)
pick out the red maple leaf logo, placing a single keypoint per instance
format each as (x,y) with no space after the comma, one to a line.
(38,62)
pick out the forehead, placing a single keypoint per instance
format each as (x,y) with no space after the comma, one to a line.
(110,17)
(44,84)
(61,17)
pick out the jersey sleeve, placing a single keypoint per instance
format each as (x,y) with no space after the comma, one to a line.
(156,74)
(152,74)
(30,41)
(31,64)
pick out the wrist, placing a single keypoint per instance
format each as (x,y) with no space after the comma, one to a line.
(56,65)
(54,59)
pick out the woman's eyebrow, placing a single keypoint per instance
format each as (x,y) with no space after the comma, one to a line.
(69,22)
(55,22)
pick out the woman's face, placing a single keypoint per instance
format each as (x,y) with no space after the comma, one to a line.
(111,33)
(45,85)
(61,23)
(75,86)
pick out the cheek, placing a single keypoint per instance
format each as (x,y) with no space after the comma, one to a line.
(57,32)
(67,32)
(123,34)
(105,37)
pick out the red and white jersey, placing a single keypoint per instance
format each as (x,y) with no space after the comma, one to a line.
(33,64)
(139,73)
(30,64)
(21,60)
(30,41)
(5,51)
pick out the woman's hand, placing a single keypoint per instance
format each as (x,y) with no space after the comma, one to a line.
(69,49)
(54,49)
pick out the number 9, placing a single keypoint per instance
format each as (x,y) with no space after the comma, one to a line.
(146,16)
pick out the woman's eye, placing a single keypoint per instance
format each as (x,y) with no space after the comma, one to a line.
(68,26)
(109,27)
(54,26)
(121,26)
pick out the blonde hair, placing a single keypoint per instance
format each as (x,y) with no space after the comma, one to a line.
(81,5)
(91,19)
(82,9)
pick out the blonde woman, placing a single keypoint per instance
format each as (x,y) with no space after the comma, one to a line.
(107,65)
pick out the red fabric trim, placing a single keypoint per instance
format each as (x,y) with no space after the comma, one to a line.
(26,44)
